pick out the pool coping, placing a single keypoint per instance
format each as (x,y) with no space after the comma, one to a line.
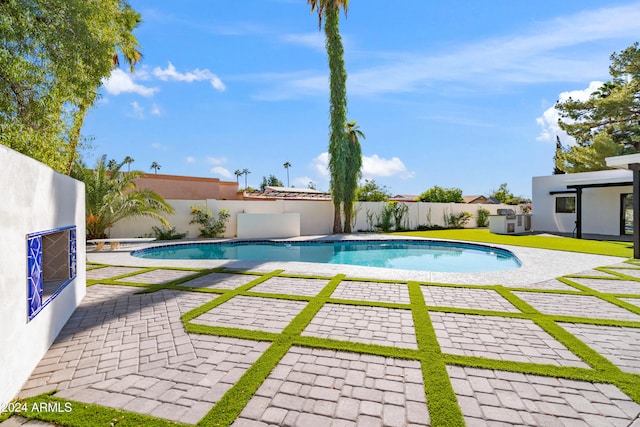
(537,264)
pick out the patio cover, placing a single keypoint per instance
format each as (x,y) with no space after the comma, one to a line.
(631,162)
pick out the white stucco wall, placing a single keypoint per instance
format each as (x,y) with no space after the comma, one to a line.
(34,198)
(268,225)
(316,217)
(600,206)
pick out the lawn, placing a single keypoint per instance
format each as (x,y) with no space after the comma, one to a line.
(612,248)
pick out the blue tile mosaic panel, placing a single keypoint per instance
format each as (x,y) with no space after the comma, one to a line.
(35,279)
(72,253)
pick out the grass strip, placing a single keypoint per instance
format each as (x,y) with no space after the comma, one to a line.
(226,296)
(51,409)
(441,399)
(610,248)
(229,407)
(603,296)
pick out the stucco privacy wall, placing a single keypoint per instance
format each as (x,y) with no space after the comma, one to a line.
(34,198)
(600,205)
(316,216)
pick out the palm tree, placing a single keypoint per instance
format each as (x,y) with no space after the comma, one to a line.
(127,161)
(287,165)
(330,11)
(238,172)
(112,164)
(112,196)
(155,166)
(354,160)
(245,172)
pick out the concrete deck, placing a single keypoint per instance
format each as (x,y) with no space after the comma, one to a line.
(126,350)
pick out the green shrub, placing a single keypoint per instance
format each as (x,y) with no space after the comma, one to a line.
(210,226)
(399,211)
(166,233)
(385,221)
(459,220)
(482,217)
(427,227)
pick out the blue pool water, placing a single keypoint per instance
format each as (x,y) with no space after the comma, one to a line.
(397,254)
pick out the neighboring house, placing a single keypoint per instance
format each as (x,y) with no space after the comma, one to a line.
(481,199)
(600,201)
(288,193)
(404,198)
(189,187)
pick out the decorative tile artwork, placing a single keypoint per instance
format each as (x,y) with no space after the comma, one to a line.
(35,278)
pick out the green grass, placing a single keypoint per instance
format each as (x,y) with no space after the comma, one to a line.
(597,247)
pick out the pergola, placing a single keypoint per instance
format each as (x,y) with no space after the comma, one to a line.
(631,162)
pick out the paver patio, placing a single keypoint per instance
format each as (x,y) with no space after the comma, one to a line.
(340,351)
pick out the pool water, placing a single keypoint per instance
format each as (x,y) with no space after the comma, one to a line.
(403,254)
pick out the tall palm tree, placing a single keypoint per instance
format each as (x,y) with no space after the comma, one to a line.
(354,160)
(155,166)
(127,161)
(245,172)
(329,10)
(112,196)
(238,172)
(287,165)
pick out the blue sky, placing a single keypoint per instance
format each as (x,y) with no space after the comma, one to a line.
(455,94)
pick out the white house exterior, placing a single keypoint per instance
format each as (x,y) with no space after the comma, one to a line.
(605,199)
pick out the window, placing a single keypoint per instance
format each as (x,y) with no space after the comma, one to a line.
(565,204)
(51,260)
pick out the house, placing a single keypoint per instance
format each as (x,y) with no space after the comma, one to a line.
(481,199)
(189,187)
(588,202)
(404,198)
(287,193)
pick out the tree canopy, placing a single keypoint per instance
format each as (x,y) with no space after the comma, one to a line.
(504,195)
(272,181)
(608,123)
(54,55)
(371,191)
(438,194)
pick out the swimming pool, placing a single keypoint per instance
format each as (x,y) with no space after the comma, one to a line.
(421,255)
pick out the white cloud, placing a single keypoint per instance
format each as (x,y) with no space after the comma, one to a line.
(170,73)
(216,160)
(321,164)
(549,119)
(191,159)
(155,110)
(313,40)
(549,51)
(219,170)
(372,166)
(302,181)
(121,82)
(159,147)
(138,111)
